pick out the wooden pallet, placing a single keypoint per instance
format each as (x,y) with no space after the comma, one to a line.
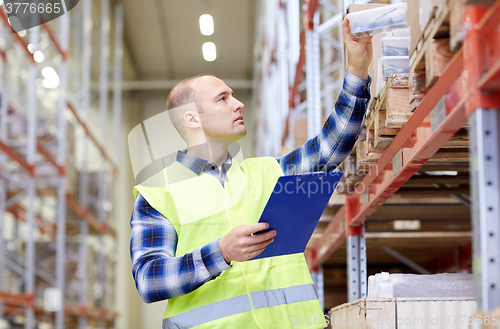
(433,51)
(388,113)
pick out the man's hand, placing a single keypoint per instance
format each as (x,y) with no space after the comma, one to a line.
(240,245)
(359,49)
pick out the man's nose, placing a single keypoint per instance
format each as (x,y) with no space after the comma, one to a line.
(238,105)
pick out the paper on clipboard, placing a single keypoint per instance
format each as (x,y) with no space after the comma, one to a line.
(294,209)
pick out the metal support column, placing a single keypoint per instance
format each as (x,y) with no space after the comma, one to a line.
(293,20)
(313,78)
(4,104)
(356,254)
(102,184)
(117,80)
(484,148)
(61,162)
(316,275)
(84,226)
(282,82)
(34,35)
(481,61)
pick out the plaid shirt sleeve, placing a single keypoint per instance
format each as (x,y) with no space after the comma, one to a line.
(157,273)
(338,135)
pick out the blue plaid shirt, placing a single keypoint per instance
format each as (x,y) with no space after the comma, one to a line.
(159,275)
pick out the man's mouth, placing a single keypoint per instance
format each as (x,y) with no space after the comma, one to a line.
(240,118)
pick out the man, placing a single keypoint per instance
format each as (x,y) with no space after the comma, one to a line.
(193,239)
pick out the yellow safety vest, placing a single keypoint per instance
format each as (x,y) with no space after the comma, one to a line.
(269,293)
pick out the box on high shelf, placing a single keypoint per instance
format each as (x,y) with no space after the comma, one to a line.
(300,130)
(420,16)
(437,57)
(457,31)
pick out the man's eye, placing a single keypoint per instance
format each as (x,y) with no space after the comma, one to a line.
(222,99)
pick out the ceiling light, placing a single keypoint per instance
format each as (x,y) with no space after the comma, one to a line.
(51,78)
(38,56)
(31,47)
(21,33)
(206,24)
(209,51)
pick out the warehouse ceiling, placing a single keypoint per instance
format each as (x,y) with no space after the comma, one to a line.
(165,42)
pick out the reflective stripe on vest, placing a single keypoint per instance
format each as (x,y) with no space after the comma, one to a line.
(240,304)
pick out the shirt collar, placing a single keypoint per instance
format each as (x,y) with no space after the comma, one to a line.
(198,165)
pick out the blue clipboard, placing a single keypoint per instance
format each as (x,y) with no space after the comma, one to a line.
(294,209)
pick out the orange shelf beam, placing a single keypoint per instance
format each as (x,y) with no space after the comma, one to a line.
(11,299)
(53,38)
(22,42)
(96,224)
(92,137)
(11,153)
(488,26)
(19,212)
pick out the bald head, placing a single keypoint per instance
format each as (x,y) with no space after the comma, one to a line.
(182,94)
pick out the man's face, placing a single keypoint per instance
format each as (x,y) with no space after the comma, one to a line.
(220,113)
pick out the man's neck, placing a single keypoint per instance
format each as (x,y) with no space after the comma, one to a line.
(213,151)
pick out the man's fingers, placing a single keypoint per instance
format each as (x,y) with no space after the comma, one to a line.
(346,28)
(364,39)
(261,245)
(255,253)
(258,238)
(258,227)
(347,32)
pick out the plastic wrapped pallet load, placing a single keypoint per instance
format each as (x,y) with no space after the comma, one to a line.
(385,285)
(409,301)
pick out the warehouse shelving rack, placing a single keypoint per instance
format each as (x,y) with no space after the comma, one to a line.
(478,63)
(279,61)
(283,50)
(28,154)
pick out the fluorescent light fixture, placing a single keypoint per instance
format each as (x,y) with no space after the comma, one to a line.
(206,24)
(209,51)
(38,56)
(51,78)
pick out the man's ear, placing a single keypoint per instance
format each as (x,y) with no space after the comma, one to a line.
(192,119)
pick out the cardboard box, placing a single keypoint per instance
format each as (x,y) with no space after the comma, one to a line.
(420,12)
(300,131)
(414,24)
(388,313)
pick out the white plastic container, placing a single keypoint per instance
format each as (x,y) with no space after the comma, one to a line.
(399,33)
(379,20)
(394,64)
(395,46)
